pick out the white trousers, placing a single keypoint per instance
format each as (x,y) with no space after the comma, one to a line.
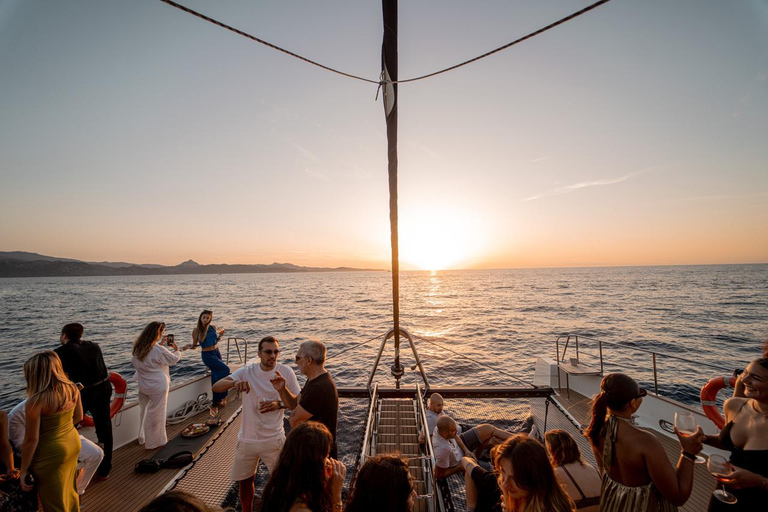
(90,457)
(152,412)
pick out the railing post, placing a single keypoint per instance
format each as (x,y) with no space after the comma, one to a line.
(600,344)
(655,380)
(577,349)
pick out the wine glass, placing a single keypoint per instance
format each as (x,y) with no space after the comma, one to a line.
(263,400)
(686,425)
(719,466)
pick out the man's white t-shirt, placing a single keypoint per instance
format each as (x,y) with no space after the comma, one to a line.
(257,427)
(447,452)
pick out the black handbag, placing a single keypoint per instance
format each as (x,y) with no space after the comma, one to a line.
(148,466)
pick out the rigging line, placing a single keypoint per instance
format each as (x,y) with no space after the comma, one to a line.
(529,36)
(352,347)
(265,43)
(477,362)
(382,81)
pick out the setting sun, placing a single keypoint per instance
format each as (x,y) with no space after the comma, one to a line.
(437,239)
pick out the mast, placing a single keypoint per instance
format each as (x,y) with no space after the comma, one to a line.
(389,75)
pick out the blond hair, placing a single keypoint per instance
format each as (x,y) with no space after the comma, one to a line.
(47,384)
(142,346)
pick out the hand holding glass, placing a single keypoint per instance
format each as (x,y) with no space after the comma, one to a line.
(686,425)
(719,467)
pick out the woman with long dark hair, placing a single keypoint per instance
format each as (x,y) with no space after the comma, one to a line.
(579,479)
(526,478)
(207,337)
(151,360)
(636,473)
(305,478)
(746,437)
(51,444)
(383,484)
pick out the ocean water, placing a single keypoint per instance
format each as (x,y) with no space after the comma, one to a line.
(471,327)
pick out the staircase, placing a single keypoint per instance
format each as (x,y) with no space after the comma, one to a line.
(397,433)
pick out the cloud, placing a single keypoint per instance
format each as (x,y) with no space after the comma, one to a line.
(578,186)
(305,152)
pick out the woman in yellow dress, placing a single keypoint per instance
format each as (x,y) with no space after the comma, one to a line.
(51,444)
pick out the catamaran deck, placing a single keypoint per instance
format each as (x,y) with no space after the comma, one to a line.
(127,490)
(578,407)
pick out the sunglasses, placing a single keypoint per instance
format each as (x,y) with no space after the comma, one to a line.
(299,358)
(269,351)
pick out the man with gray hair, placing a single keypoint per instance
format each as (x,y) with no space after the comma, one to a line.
(319,399)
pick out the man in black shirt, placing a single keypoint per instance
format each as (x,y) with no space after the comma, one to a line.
(318,400)
(84,364)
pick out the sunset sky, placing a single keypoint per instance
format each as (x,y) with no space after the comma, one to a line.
(636,134)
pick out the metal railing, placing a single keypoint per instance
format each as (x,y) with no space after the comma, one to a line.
(369,424)
(242,356)
(653,353)
(428,462)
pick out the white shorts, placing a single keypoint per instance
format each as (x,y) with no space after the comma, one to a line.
(247,457)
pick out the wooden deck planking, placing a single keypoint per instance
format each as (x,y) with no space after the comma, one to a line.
(126,490)
(703,484)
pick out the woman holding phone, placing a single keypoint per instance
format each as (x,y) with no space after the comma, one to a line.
(207,337)
(151,360)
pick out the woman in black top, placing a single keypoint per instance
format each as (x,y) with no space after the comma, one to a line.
(746,436)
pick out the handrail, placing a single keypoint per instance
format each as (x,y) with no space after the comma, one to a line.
(653,353)
(369,423)
(434,488)
(647,351)
(243,357)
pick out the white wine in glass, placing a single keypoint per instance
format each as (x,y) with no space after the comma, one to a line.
(719,466)
(686,424)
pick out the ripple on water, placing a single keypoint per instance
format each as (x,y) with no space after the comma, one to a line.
(502,319)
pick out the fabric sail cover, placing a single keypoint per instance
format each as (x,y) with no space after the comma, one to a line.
(389,75)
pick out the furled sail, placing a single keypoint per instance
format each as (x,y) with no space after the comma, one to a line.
(388,76)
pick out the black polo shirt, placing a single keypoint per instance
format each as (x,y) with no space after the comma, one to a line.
(83,362)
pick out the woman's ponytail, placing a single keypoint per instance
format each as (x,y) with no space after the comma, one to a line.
(599,412)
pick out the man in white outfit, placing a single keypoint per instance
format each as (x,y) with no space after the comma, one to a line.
(261,434)
(90,455)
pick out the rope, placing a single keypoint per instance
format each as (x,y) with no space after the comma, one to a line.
(380,82)
(508,45)
(265,43)
(190,408)
(476,362)
(352,347)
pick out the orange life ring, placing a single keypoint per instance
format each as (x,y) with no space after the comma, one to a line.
(117,401)
(708,398)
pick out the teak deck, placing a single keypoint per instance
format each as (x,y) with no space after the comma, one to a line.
(703,483)
(127,491)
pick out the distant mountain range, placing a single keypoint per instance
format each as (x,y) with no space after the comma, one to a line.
(29,264)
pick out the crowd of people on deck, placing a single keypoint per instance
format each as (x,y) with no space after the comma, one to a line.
(43,460)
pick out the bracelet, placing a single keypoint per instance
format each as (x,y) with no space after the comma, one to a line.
(691,457)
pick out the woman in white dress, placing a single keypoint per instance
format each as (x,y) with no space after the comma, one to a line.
(151,360)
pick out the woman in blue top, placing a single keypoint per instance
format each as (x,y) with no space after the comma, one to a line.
(207,336)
